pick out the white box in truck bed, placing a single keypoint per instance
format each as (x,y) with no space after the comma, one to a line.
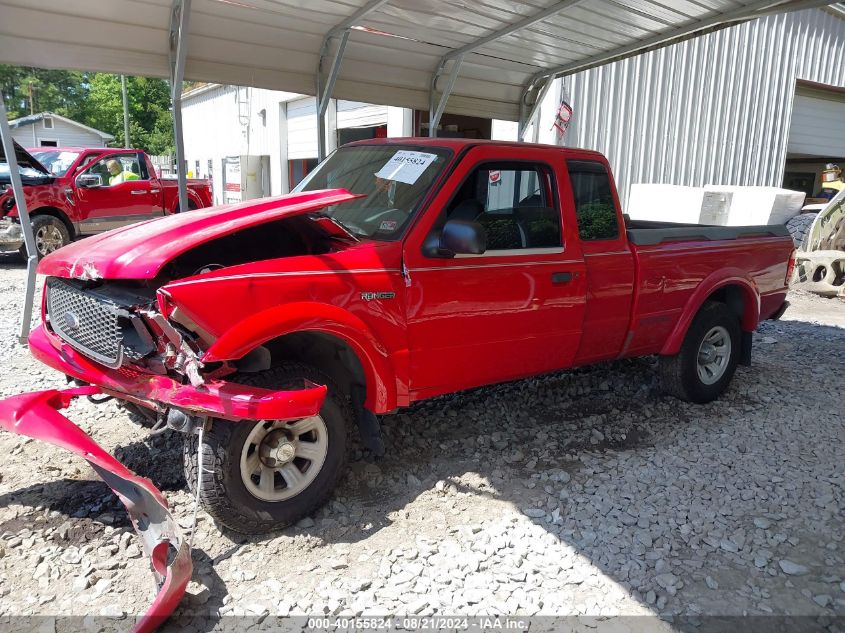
(715,205)
(676,203)
(759,205)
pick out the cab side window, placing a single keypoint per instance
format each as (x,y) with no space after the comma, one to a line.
(114,170)
(514,204)
(593,195)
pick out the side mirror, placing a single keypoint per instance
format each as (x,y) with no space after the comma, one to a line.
(458,237)
(89,181)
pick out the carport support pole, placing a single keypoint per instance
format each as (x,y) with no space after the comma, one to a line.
(526,119)
(23,217)
(324,93)
(436,114)
(126,142)
(178,53)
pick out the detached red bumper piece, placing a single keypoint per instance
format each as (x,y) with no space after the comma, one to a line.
(36,415)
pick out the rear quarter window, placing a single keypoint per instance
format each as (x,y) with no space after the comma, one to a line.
(593,195)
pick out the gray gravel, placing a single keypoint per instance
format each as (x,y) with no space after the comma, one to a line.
(584,492)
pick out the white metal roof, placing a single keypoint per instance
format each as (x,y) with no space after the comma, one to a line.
(392,53)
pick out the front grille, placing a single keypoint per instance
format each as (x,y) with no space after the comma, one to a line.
(85,321)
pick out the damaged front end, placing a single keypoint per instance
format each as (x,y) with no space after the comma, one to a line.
(113,339)
(115,336)
(109,325)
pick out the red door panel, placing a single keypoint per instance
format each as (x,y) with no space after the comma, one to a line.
(505,314)
(111,206)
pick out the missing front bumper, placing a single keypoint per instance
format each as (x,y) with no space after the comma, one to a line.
(219,399)
(36,415)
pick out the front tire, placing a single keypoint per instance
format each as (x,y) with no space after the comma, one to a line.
(263,476)
(703,369)
(50,235)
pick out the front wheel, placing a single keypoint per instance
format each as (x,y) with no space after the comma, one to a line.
(263,476)
(703,369)
(50,235)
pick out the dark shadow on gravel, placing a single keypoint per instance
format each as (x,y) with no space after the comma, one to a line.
(12,260)
(563,425)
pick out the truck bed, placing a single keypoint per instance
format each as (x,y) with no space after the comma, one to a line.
(678,265)
(647,233)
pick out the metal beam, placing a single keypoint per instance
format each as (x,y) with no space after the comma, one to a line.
(126,142)
(434,118)
(748,12)
(355,18)
(323,92)
(530,20)
(178,53)
(457,55)
(526,118)
(23,218)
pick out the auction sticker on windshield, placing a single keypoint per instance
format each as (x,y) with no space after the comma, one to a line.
(406,166)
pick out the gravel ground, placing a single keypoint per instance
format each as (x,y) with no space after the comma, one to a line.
(579,493)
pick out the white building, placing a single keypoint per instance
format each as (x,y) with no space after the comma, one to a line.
(760,103)
(46,129)
(278,129)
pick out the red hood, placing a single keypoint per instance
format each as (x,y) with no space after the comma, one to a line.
(141,250)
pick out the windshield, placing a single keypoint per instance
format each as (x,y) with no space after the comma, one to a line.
(26,172)
(394,180)
(58,162)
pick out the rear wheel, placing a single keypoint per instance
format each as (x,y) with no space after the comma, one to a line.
(265,475)
(703,369)
(799,226)
(50,235)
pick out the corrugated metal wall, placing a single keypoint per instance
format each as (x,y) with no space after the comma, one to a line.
(713,110)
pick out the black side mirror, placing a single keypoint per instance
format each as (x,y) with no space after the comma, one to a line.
(458,237)
(89,181)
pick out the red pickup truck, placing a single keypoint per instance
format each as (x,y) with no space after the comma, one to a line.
(72,192)
(398,270)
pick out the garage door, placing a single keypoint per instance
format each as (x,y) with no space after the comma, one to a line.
(818,123)
(302,128)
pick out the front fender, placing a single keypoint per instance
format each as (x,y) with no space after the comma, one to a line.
(717,280)
(312,316)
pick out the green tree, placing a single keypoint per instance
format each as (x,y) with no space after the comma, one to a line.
(60,91)
(150,123)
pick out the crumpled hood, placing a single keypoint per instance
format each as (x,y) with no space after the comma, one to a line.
(141,250)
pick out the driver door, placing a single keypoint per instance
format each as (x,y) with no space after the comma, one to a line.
(103,206)
(515,310)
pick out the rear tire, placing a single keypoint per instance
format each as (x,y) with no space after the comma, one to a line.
(799,226)
(703,369)
(237,456)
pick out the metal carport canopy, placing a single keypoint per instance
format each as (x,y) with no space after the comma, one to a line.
(395,47)
(488,58)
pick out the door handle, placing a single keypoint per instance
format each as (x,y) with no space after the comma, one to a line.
(154,190)
(138,192)
(561,278)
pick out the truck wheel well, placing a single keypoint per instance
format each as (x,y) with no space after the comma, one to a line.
(735,299)
(327,353)
(56,213)
(732,296)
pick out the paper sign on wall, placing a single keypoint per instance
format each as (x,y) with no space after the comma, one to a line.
(406,166)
